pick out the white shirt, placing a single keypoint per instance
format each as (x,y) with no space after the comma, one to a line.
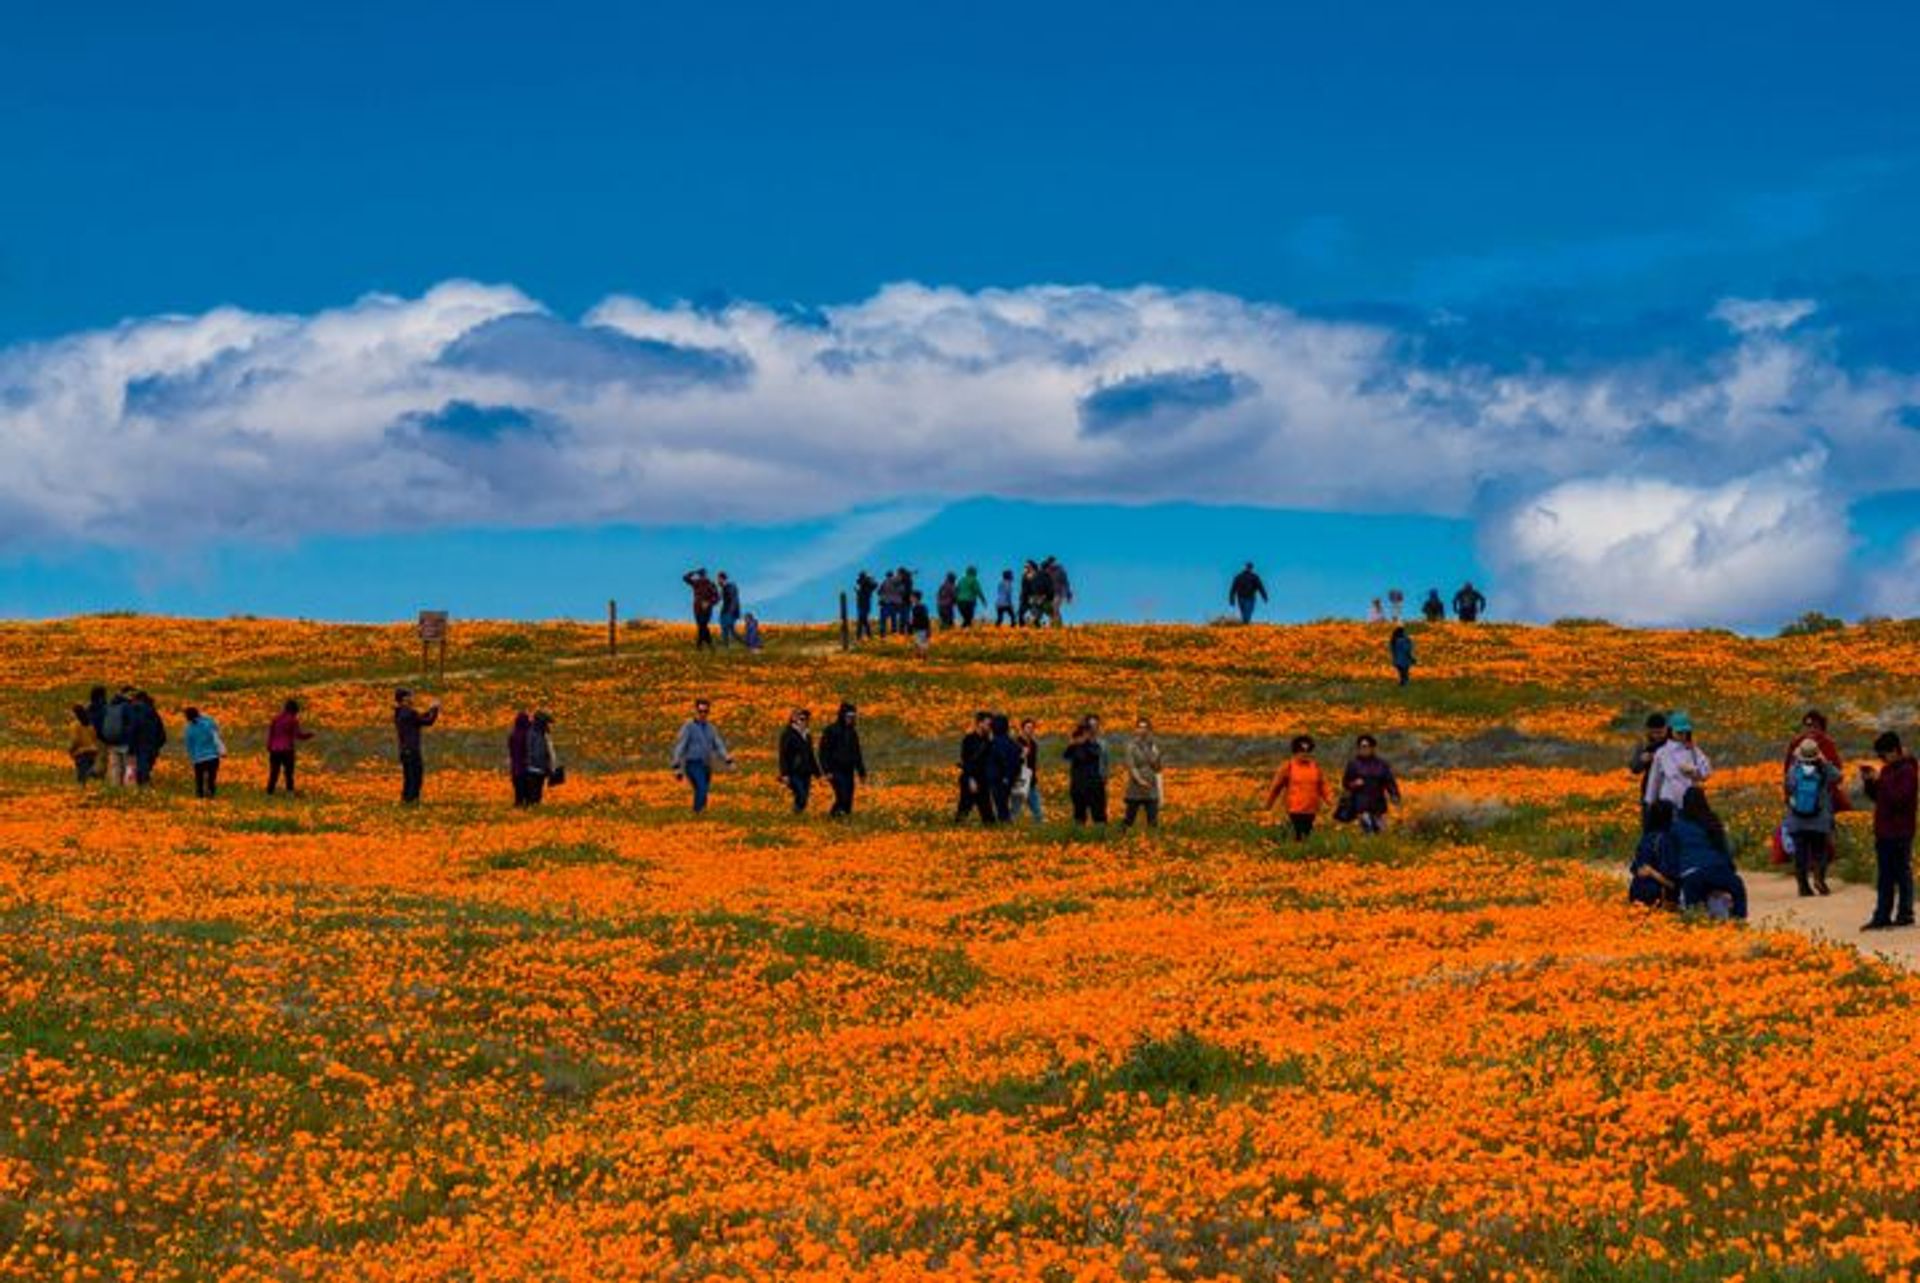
(1677,767)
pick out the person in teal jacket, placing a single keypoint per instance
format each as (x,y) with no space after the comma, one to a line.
(204,749)
(968,594)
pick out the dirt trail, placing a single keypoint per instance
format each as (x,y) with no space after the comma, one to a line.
(1774,900)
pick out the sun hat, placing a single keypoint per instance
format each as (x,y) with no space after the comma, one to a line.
(1807,751)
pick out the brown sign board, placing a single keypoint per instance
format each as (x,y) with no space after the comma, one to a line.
(433,626)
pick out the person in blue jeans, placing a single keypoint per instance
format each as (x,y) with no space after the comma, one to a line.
(1894,787)
(695,751)
(729,609)
(1029,741)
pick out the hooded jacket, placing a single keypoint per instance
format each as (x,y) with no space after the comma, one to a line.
(840,746)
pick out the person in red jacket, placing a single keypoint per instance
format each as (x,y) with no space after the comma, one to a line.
(1894,788)
(284,734)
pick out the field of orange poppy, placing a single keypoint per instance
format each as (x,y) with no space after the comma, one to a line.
(329,1037)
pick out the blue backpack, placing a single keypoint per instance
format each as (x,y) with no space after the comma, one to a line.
(1806,789)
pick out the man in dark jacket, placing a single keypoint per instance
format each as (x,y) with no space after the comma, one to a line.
(408,722)
(841,759)
(1641,763)
(1003,767)
(798,763)
(729,610)
(976,770)
(1468,603)
(863,588)
(146,736)
(1245,588)
(705,598)
(1433,608)
(1894,788)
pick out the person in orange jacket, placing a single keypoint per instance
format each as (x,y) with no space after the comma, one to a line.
(1305,786)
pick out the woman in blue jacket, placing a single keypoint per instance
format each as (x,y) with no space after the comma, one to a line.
(205,750)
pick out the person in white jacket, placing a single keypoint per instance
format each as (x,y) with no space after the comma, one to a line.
(1679,765)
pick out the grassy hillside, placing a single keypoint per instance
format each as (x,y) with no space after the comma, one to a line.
(326,1037)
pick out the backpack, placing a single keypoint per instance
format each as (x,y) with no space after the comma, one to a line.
(1805,790)
(113,724)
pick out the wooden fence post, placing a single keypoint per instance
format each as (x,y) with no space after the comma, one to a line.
(846,637)
(613,629)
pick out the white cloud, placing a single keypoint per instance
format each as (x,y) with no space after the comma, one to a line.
(1649,551)
(473,405)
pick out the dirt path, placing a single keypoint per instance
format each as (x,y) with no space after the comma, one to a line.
(1774,900)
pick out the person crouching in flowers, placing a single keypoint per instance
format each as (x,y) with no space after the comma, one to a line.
(1369,785)
(1304,785)
(1655,880)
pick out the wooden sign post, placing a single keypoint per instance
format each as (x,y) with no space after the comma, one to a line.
(433,632)
(846,637)
(613,629)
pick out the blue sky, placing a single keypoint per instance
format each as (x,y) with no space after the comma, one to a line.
(1448,204)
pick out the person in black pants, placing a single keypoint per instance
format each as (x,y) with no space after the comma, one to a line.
(1895,789)
(798,762)
(1004,766)
(863,589)
(976,770)
(1086,776)
(841,759)
(408,722)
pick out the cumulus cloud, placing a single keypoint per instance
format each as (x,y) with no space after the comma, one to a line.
(473,404)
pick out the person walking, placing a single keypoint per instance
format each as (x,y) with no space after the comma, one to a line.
(1369,785)
(114,722)
(1813,726)
(1893,787)
(1003,612)
(1004,766)
(799,765)
(1468,603)
(408,722)
(1376,613)
(1145,783)
(1036,595)
(1086,774)
(204,750)
(705,598)
(1679,765)
(543,762)
(1305,787)
(284,737)
(729,609)
(863,590)
(1400,651)
(968,595)
(1059,591)
(1396,602)
(976,771)
(1809,819)
(1027,791)
(1640,765)
(946,599)
(696,750)
(517,756)
(1246,588)
(841,758)
(1433,610)
(146,736)
(83,744)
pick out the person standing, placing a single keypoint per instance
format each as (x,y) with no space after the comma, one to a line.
(892,618)
(729,609)
(1400,651)
(204,750)
(1468,603)
(1376,613)
(1396,602)
(1144,782)
(976,770)
(115,722)
(921,624)
(1813,726)
(705,598)
(408,722)
(696,750)
(863,589)
(517,756)
(1370,785)
(841,759)
(1433,610)
(799,765)
(1003,768)
(967,596)
(1809,820)
(1640,765)
(1679,765)
(946,599)
(1086,774)
(284,736)
(543,763)
(1893,787)
(1003,612)
(1246,588)
(146,736)
(1028,789)
(1060,590)
(83,744)
(1305,787)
